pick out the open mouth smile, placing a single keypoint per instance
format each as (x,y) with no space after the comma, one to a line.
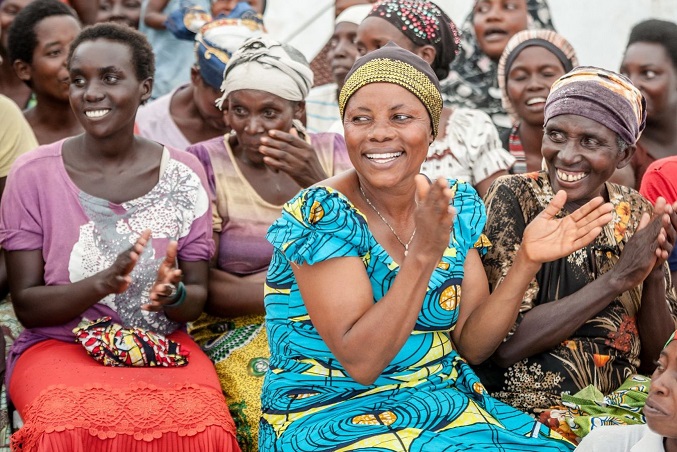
(383,158)
(95,114)
(570,176)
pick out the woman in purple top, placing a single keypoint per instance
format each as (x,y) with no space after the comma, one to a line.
(252,172)
(109,224)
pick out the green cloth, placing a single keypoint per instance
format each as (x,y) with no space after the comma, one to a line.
(589,408)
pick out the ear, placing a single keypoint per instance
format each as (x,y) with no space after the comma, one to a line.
(626,158)
(146,89)
(195,77)
(427,52)
(300,110)
(23,70)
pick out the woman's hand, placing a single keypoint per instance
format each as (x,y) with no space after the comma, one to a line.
(116,278)
(167,276)
(434,216)
(290,153)
(548,238)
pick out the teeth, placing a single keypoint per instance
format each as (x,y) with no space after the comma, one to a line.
(570,177)
(536,100)
(387,157)
(96,113)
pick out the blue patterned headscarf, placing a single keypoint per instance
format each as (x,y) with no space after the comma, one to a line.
(217,41)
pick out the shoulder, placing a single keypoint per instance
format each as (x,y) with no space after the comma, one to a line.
(666,166)
(40,158)
(324,139)
(9,110)
(186,159)
(617,438)
(202,149)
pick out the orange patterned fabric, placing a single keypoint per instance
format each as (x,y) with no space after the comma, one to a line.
(69,402)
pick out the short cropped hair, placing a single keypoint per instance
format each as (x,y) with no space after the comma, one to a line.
(21,38)
(657,31)
(143,58)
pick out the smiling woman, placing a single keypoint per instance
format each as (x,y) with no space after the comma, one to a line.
(367,255)
(109,228)
(486,31)
(529,65)
(38,43)
(608,307)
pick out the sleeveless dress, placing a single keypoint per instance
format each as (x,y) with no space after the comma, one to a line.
(427,398)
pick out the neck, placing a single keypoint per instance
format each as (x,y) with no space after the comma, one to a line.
(670,444)
(53,113)
(118,147)
(397,203)
(662,131)
(531,137)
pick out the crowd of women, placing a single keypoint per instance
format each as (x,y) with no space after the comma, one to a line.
(464,241)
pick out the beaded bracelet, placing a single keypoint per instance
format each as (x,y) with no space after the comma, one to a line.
(180,296)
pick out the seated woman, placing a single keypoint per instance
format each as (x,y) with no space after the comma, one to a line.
(188,115)
(368,256)
(473,81)
(252,171)
(659,434)
(467,146)
(38,43)
(650,61)
(608,307)
(529,65)
(109,225)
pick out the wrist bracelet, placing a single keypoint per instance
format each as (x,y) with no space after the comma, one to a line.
(179,298)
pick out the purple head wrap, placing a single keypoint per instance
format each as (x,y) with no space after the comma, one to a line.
(602,96)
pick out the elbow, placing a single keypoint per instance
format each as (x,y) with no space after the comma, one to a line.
(363,374)
(504,358)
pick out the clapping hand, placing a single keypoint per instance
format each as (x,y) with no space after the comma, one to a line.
(168,276)
(548,238)
(290,153)
(116,278)
(434,215)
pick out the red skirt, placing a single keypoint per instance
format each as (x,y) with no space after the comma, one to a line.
(69,402)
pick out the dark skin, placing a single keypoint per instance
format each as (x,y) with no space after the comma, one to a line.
(110,162)
(86,9)
(641,259)
(375,32)
(52,118)
(193,110)
(10,83)
(277,164)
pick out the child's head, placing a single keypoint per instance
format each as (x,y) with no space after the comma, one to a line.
(224,8)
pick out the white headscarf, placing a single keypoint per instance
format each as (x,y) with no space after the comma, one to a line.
(354,14)
(267,65)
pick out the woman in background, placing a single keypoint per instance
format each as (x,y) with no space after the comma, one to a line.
(473,81)
(530,64)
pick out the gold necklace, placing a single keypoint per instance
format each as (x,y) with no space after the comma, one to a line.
(405,245)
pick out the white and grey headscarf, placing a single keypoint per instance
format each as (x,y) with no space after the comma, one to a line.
(267,65)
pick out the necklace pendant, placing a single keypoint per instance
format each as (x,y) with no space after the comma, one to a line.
(406,250)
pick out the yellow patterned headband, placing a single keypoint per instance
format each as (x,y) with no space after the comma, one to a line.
(388,70)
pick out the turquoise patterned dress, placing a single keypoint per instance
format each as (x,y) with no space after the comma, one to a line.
(427,398)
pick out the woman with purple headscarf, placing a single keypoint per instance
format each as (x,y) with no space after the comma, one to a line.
(602,313)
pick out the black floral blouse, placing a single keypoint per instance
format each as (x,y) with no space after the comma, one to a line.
(605,350)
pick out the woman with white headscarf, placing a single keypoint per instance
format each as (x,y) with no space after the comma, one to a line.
(252,171)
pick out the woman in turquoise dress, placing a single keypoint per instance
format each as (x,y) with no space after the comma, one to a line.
(363,292)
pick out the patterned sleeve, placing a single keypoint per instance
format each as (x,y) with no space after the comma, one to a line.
(319,224)
(474,130)
(470,217)
(504,228)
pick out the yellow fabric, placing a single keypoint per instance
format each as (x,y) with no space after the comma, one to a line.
(16,136)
